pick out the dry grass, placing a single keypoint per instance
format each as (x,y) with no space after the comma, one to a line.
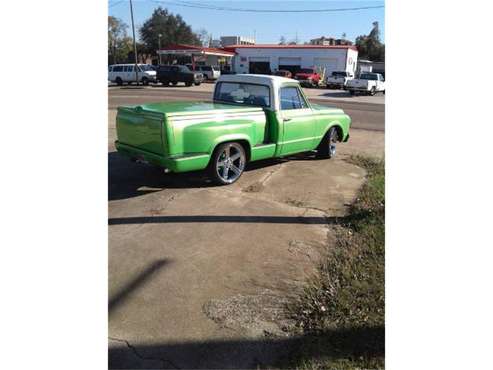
(342,311)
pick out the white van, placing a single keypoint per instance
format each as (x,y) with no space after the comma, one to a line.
(209,72)
(121,73)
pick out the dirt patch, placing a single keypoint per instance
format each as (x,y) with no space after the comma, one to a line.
(260,315)
(254,188)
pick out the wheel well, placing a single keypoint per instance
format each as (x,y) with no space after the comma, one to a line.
(340,133)
(244,143)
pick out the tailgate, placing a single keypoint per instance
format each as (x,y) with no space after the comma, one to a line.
(140,129)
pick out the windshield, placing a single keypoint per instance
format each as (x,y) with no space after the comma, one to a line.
(243,93)
(369,76)
(306,70)
(146,67)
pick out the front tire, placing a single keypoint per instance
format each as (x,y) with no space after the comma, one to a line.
(372,91)
(227,163)
(327,147)
(351,92)
(119,81)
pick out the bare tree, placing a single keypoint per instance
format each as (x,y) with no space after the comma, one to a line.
(204,36)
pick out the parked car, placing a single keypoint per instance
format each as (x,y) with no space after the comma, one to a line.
(121,73)
(368,83)
(308,77)
(177,73)
(283,73)
(251,118)
(209,72)
(338,80)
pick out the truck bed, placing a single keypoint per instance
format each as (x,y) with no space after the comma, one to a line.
(180,129)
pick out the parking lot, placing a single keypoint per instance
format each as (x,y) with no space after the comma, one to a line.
(188,260)
(312,93)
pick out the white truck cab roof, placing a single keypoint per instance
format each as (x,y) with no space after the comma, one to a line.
(273,82)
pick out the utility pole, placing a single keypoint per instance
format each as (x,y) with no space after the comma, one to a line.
(159,46)
(135,45)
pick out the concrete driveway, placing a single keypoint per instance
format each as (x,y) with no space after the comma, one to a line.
(189,262)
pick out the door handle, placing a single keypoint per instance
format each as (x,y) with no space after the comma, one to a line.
(286,119)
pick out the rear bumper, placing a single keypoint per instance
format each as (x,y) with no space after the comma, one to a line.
(179,163)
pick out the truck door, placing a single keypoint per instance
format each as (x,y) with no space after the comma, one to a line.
(297,120)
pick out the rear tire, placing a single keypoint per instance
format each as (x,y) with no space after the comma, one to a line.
(351,92)
(119,81)
(327,147)
(188,84)
(227,163)
(174,83)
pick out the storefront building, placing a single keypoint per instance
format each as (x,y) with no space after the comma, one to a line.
(266,59)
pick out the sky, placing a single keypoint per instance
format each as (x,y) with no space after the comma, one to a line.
(267,27)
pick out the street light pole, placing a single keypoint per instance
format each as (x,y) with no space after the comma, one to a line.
(135,45)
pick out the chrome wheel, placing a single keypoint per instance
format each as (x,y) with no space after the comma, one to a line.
(230,162)
(333,138)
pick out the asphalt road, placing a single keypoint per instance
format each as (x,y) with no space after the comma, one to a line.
(366,116)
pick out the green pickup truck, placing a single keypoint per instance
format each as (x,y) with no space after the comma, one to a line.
(252,117)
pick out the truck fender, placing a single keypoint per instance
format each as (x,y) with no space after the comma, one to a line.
(242,139)
(340,132)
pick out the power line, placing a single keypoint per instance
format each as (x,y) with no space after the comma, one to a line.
(115,4)
(222,8)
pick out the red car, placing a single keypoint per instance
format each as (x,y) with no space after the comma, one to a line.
(308,77)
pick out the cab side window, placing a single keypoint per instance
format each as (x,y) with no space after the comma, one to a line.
(291,98)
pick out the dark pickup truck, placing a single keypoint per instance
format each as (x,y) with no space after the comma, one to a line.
(176,73)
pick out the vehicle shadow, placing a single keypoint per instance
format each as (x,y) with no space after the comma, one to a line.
(338,94)
(126,178)
(354,343)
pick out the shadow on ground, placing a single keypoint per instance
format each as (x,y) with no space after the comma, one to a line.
(125,178)
(338,94)
(134,284)
(352,343)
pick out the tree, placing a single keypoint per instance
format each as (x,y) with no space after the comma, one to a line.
(344,36)
(117,40)
(370,47)
(172,28)
(204,36)
(282,40)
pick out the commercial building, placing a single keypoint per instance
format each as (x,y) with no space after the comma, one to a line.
(265,59)
(369,66)
(328,41)
(184,54)
(236,40)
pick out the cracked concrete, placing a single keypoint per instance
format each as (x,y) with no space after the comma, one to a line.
(216,247)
